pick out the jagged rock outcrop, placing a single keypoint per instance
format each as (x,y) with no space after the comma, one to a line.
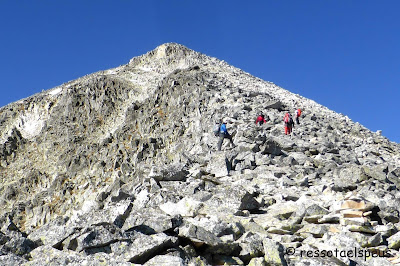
(121,167)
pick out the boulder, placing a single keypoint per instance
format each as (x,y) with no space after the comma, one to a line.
(226,260)
(165,260)
(378,172)
(219,165)
(140,248)
(151,220)
(271,147)
(251,246)
(12,259)
(53,233)
(202,237)
(274,105)
(186,207)
(257,262)
(173,172)
(394,241)
(356,204)
(92,238)
(274,252)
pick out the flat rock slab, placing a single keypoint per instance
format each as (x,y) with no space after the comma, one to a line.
(52,233)
(219,165)
(46,255)
(152,220)
(356,204)
(173,172)
(143,247)
(186,207)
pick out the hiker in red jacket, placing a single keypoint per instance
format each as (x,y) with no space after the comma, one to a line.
(260,120)
(288,123)
(297,115)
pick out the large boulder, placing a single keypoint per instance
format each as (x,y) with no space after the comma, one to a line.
(173,172)
(141,247)
(219,165)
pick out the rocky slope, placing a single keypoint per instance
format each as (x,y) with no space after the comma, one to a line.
(120,167)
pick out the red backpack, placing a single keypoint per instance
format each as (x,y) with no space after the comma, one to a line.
(286,119)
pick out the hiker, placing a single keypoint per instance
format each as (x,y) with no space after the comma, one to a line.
(288,123)
(297,116)
(260,120)
(223,134)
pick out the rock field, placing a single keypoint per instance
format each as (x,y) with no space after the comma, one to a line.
(121,167)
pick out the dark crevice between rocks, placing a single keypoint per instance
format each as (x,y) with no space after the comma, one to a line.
(201,249)
(209,251)
(62,243)
(154,252)
(374,216)
(59,245)
(144,229)
(106,248)
(120,220)
(344,188)
(258,211)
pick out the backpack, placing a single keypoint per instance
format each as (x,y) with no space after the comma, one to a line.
(216,129)
(298,112)
(288,120)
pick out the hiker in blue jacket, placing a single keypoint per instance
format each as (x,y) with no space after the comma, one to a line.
(223,134)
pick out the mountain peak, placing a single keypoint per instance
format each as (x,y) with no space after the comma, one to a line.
(122,166)
(171,49)
(167,53)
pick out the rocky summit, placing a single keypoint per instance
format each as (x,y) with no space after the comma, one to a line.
(121,167)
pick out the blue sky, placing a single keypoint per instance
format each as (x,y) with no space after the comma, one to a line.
(343,54)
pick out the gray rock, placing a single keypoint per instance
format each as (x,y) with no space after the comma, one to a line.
(394,241)
(257,262)
(53,233)
(17,244)
(226,260)
(185,207)
(272,147)
(100,236)
(165,260)
(200,237)
(142,247)
(11,260)
(174,172)
(274,105)
(315,210)
(235,199)
(151,221)
(316,230)
(219,165)
(376,172)
(274,252)
(251,247)
(46,255)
